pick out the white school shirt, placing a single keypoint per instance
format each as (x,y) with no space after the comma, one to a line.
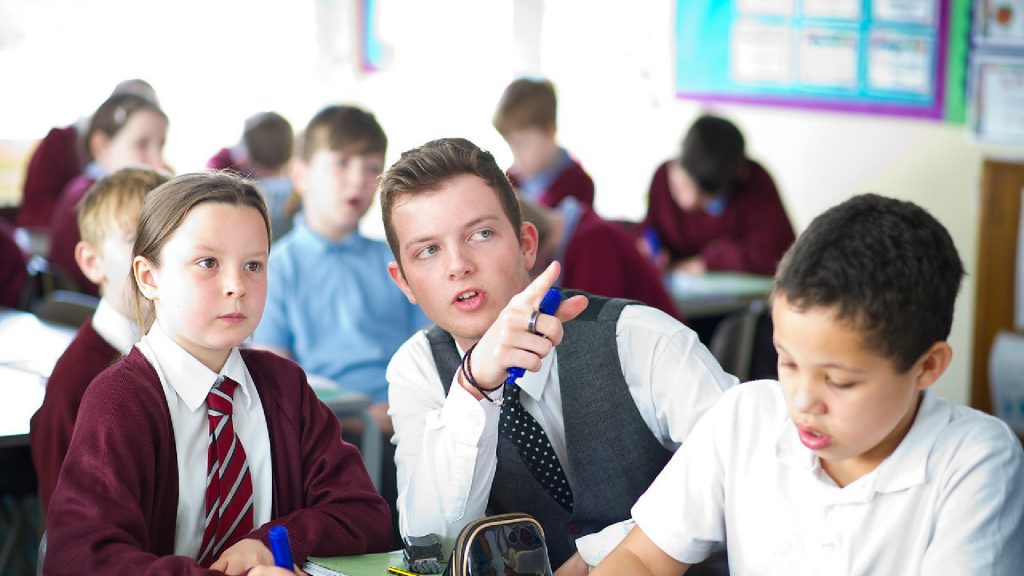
(446,455)
(115,328)
(948,500)
(186,383)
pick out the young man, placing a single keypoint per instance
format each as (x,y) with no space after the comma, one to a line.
(108,217)
(543,171)
(330,304)
(606,408)
(847,465)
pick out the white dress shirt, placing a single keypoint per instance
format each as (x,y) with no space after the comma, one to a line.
(948,500)
(186,383)
(446,455)
(115,328)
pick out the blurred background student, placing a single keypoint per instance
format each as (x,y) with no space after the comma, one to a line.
(712,208)
(126,130)
(542,171)
(263,155)
(58,159)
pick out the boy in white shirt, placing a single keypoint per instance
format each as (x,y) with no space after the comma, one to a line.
(847,465)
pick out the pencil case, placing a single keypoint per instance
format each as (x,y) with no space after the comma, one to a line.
(499,545)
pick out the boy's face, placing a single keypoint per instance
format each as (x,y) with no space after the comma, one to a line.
(461,259)
(337,189)
(109,265)
(533,149)
(850,405)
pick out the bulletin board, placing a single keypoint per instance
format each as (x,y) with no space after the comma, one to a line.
(898,57)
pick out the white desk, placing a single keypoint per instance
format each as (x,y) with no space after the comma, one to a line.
(716,293)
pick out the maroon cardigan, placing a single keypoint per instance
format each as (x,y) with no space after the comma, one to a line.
(52,425)
(751,236)
(64,233)
(573,181)
(13,270)
(55,161)
(602,259)
(115,506)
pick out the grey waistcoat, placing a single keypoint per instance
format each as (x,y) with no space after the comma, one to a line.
(613,455)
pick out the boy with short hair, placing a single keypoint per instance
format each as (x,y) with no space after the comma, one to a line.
(108,217)
(847,465)
(607,398)
(542,171)
(330,303)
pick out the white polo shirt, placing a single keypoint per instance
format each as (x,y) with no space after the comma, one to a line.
(949,500)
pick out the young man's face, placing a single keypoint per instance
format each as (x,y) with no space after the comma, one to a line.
(461,261)
(850,405)
(533,149)
(337,188)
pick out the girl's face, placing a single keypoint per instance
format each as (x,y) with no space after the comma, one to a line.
(140,142)
(211,286)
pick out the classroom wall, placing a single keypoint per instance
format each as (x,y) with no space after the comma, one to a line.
(213,64)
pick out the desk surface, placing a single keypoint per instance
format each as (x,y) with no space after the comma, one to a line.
(716,293)
(28,350)
(364,565)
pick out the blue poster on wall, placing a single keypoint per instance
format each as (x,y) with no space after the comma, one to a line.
(875,56)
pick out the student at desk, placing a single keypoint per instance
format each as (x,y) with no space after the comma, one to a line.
(847,465)
(188,449)
(606,421)
(712,208)
(108,217)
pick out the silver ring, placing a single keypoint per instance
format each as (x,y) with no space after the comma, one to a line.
(532,326)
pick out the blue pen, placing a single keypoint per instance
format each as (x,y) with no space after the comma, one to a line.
(548,305)
(281,548)
(653,242)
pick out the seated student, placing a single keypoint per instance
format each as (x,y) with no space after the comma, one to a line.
(57,159)
(620,393)
(847,465)
(126,130)
(331,305)
(715,209)
(108,217)
(13,271)
(597,256)
(542,170)
(263,155)
(165,474)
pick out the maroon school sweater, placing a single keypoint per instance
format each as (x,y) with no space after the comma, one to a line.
(573,181)
(751,236)
(13,271)
(64,233)
(54,163)
(602,259)
(52,425)
(115,506)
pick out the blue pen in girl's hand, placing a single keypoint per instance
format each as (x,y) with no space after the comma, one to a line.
(281,548)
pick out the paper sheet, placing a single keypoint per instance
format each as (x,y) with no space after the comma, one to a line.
(1006,378)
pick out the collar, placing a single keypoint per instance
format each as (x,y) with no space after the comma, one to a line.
(115,328)
(716,207)
(571,211)
(189,378)
(309,239)
(534,186)
(905,468)
(94,171)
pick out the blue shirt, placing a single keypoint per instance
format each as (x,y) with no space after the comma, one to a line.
(335,309)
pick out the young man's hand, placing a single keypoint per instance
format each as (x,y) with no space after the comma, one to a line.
(508,342)
(574,566)
(243,555)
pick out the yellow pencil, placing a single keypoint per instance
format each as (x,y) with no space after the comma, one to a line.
(400,572)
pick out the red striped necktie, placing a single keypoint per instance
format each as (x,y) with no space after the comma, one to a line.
(229,500)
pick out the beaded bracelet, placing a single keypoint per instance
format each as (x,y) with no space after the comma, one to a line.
(467,373)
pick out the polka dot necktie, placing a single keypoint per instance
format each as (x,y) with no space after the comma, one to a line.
(535,447)
(229,499)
